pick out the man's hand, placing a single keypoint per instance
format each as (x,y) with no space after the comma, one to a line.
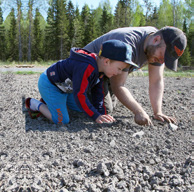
(162,117)
(143,118)
(105,119)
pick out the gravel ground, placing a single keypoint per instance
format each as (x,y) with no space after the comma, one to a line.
(36,155)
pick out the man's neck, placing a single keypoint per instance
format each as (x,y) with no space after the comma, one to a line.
(146,42)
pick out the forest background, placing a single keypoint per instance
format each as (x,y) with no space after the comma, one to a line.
(26,35)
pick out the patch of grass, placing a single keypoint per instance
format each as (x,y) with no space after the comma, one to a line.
(179,74)
(27,72)
(140,73)
(37,64)
(187,74)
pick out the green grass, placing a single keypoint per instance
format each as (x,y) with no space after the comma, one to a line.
(139,73)
(188,74)
(26,72)
(37,64)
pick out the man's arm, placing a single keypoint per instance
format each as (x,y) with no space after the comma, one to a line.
(125,97)
(156,89)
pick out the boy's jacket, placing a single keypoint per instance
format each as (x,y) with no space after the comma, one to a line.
(78,74)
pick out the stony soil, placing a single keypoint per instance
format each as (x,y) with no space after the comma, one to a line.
(36,155)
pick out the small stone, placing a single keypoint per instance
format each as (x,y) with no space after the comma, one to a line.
(173,126)
(138,134)
(78,163)
(165,151)
(102,169)
(159,174)
(77,178)
(152,162)
(112,143)
(138,188)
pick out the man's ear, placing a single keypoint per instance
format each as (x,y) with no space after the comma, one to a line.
(157,40)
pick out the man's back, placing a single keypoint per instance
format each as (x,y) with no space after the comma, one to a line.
(135,36)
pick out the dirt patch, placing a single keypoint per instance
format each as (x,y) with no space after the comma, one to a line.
(36,155)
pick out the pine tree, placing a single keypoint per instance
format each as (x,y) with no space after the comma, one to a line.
(152,20)
(62,30)
(106,21)
(185,59)
(123,13)
(11,38)
(30,18)
(165,14)
(2,38)
(85,18)
(19,18)
(37,43)
(77,35)
(97,14)
(138,18)
(70,18)
(148,8)
(50,42)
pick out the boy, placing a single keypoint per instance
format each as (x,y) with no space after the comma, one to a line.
(67,82)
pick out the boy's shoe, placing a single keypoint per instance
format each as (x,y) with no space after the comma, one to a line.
(33,114)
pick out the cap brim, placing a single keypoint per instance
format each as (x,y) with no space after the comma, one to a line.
(170,62)
(131,63)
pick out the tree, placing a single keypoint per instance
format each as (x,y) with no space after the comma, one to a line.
(56,34)
(165,14)
(77,35)
(85,18)
(123,13)
(106,21)
(185,59)
(37,43)
(30,17)
(61,24)
(97,17)
(50,36)
(138,18)
(152,20)
(2,38)
(149,7)
(178,13)
(70,18)
(11,38)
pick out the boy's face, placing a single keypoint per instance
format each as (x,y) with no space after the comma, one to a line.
(113,68)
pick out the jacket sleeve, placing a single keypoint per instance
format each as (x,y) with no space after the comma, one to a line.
(97,93)
(82,79)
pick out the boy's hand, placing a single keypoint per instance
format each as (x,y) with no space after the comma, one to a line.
(105,119)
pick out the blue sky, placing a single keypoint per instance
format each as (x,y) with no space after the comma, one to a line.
(95,3)
(91,3)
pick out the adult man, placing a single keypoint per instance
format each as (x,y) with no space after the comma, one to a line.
(152,46)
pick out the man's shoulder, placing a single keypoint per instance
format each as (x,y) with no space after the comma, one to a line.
(134,29)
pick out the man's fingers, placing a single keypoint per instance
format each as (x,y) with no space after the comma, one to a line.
(165,118)
(158,117)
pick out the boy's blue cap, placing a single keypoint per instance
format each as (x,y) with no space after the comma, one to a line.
(118,51)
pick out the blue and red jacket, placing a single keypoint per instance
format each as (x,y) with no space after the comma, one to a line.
(78,74)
